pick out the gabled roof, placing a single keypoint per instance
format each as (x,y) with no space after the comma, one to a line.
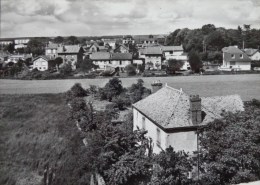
(100,56)
(122,45)
(47,58)
(250,51)
(52,46)
(232,50)
(68,49)
(170,108)
(121,56)
(172,48)
(151,51)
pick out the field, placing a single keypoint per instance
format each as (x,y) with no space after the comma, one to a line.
(35,130)
(247,86)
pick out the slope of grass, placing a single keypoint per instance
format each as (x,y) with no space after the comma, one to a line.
(35,130)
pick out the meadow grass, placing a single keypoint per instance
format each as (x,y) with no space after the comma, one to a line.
(36,130)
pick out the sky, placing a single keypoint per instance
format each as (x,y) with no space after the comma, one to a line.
(33,18)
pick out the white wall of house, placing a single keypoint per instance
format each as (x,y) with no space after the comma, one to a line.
(40,64)
(256,56)
(186,66)
(101,63)
(117,63)
(154,60)
(239,65)
(152,131)
(186,141)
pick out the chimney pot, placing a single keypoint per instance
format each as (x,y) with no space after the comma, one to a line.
(195,109)
(156,85)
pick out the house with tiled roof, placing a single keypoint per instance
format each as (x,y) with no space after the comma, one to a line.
(121,48)
(176,53)
(172,117)
(51,50)
(71,53)
(111,60)
(235,59)
(254,54)
(152,56)
(41,63)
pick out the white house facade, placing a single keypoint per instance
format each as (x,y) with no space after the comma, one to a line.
(41,63)
(235,59)
(172,118)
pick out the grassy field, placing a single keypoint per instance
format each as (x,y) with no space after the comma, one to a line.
(247,86)
(35,130)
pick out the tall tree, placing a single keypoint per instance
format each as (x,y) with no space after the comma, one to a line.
(195,61)
(230,147)
(58,40)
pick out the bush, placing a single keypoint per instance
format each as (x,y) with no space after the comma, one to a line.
(66,69)
(131,70)
(78,91)
(121,101)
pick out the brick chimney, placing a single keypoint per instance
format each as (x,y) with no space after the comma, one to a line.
(195,108)
(156,85)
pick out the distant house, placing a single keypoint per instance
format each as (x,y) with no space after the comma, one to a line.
(110,42)
(94,47)
(106,60)
(177,53)
(143,41)
(41,63)
(121,60)
(235,59)
(254,54)
(4,42)
(51,50)
(71,53)
(121,49)
(128,40)
(101,59)
(152,56)
(172,117)
(21,42)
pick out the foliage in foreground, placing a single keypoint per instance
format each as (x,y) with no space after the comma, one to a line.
(35,131)
(231,147)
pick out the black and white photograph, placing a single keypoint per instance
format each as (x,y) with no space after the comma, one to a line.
(129,92)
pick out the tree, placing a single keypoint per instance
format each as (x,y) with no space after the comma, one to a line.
(174,65)
(215,41)
(36,46)
(66,69)
(230,147)
(130,70)
(9,48)
(138,91)
(58,40)
(171,167)
(195,61)
(55,63)
(113,88)
(72,40)
(208,28)
(87,65)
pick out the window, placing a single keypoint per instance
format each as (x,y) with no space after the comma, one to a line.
(143,122)
(232,56)
(158,137)
(241,55)
(232,63)
(171,52)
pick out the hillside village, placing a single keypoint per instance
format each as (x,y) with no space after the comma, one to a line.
(124,56)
